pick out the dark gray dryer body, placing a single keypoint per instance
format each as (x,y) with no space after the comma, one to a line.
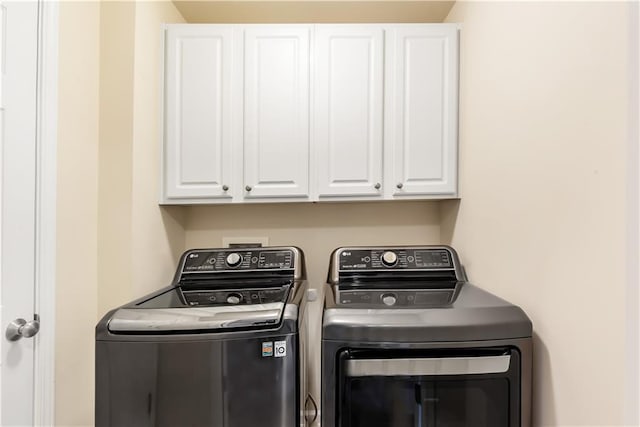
(220,347)
(406,341)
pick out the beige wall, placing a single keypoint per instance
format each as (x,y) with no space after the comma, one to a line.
(296,11)
(109,222)
(77,211)
(544,98)
(157,233)
(132,227)
(117,42)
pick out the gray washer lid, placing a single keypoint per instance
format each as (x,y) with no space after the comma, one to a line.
(126,320)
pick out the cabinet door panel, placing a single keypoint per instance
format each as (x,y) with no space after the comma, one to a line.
(425,109)
(276,119)
(197,156)
(348,110)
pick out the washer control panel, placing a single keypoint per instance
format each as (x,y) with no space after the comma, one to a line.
(238,259)
(235,296)
(358,259)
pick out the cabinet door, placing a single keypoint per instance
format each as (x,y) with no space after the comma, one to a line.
(348,110)
(276,111)
(422,105)
(197,146)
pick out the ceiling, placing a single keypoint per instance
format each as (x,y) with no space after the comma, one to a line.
(310,11)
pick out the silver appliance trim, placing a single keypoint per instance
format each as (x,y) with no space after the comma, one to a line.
(196,318)
(428,366)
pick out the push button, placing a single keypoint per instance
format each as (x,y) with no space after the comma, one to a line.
(234,298)
(389,299)
(389,258)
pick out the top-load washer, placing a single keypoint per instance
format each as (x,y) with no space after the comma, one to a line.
(408,342)
(221,347)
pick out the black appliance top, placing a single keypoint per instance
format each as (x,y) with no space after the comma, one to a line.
(408,276)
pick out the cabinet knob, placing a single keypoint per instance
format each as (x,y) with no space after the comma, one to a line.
(248,188)
(377,186)
(399,185)
(225,187)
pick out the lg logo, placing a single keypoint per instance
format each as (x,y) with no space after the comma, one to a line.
(280,348)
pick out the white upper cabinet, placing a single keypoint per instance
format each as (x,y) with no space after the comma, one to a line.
(348,110)
(422,110)
(197,112)
(276,111)
(296,112)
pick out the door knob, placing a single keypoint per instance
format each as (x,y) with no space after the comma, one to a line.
(20,328)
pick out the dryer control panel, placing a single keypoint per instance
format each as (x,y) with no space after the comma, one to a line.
(395,276)
(247,259)
(394,258)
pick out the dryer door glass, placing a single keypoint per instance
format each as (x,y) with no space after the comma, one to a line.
(409,391)
(411,402)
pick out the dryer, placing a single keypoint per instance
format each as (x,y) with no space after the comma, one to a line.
(222,346)
(408,342)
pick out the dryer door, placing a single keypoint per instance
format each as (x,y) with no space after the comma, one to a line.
(429,389)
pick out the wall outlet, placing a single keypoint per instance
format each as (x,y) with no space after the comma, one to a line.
(312,295)
(245,241)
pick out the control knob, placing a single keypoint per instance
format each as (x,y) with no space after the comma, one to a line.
(389,299)
(234,298)
(234,259)
(389,258)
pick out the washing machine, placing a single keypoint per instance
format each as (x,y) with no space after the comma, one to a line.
(222,346)
(407,341)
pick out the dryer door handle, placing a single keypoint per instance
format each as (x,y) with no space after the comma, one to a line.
(428,366)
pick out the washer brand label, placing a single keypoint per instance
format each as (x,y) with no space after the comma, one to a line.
(267,349)
(280,348)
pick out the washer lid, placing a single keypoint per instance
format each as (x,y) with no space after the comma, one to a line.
(163,320)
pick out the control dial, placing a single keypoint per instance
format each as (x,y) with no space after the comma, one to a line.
(234,298)
(389,258)
(389,299)
(234,259)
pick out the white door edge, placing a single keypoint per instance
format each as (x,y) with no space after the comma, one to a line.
(45,264)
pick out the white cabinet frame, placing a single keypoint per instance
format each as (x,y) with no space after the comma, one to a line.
(302,112)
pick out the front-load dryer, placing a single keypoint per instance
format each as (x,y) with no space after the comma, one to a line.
(407,342)
(221,347)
